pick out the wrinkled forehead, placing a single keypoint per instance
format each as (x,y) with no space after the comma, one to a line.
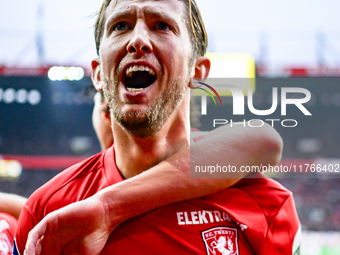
(169,8)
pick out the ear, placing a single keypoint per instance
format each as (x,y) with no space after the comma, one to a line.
(96,79)
(202,68)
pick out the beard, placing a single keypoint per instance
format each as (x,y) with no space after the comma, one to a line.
(145,122)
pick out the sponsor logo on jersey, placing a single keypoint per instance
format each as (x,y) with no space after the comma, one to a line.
(201,217)
(5,245)
(221,241)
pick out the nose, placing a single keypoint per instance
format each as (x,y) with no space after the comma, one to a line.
(140,40)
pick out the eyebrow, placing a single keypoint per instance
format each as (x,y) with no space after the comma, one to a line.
(158,14)
(118,15)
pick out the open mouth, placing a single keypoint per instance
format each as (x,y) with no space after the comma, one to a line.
(139,77)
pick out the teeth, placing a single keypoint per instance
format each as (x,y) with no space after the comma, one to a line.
(134,90)
(141,68)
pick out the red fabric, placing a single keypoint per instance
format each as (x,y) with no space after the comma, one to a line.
(255,216)
(8,225)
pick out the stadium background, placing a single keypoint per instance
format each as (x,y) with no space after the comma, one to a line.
(45,125)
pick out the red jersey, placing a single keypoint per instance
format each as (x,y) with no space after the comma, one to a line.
(255,216)
(8,225)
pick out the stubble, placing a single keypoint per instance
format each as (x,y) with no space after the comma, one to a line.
(146,122)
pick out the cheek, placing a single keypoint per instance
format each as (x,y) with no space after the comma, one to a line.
(111,55)
(183,52)
(174,54)
(180,62)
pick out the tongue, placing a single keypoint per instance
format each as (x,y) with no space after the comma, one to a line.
(139,80)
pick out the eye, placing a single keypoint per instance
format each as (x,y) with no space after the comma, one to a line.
(162,26)
(120,26)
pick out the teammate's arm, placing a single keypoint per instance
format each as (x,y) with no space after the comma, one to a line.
(163,184)
(11,204)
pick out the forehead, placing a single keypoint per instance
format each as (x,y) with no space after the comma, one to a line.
(173,8)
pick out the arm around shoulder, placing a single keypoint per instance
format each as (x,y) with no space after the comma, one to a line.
(170,181)
(165,183)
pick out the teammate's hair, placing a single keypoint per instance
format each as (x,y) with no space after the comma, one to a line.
(193,19)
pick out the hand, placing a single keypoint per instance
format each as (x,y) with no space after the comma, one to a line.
(79,228)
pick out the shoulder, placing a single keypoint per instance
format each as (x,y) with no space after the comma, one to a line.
(259,195)
(252,185)
(269,194)
(67,187)
(73,184)
(282,235)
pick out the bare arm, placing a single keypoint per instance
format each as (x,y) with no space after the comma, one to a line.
(163,184)
(11,204)
(169,181)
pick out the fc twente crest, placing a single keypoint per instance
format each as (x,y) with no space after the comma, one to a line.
(220,240)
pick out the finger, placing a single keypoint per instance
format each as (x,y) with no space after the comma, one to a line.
(38,247)
(39,240)
(33,237)
(30,249)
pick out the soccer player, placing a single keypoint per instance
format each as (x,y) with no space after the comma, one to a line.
(149,51)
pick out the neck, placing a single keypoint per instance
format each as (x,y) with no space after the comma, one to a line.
(135,155)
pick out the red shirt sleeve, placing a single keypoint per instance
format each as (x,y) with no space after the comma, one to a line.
(285,226)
